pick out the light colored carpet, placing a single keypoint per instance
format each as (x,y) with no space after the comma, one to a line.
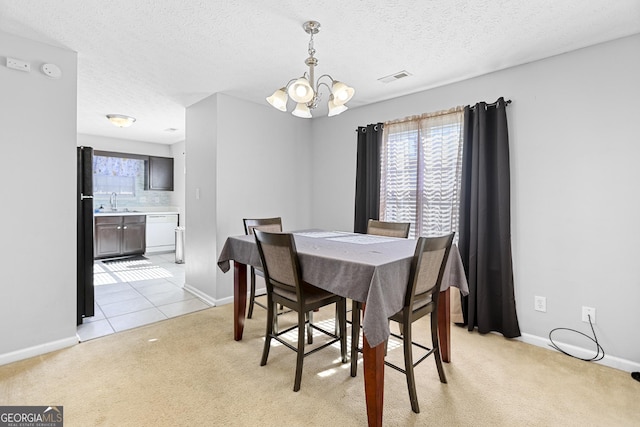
(188,371)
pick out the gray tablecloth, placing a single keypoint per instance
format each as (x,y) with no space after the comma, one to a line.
(375,273)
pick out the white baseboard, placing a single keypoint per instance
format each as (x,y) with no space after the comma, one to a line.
(217,302)
(160,249)
(37,350)
(610,361)
(203,296)
(224,301)
(229,300)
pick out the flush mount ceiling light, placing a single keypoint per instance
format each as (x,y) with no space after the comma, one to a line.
(303,91)
(120,120)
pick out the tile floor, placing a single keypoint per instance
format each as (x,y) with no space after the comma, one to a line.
(137,291)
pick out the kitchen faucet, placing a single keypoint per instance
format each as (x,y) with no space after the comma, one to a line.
(114,201)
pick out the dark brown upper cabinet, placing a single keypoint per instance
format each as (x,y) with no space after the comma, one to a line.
(159,174)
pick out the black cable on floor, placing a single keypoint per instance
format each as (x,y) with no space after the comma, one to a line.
(595,358)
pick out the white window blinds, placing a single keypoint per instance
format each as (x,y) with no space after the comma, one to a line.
(421,167)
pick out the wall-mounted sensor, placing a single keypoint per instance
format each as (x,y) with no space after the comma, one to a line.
(51,70)
(18,64)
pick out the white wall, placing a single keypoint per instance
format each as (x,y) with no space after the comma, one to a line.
(574,205)
(247,160)
(263,170)
(38,139)
(200,198)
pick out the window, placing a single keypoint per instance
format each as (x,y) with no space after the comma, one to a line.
(421,171)
(116,175)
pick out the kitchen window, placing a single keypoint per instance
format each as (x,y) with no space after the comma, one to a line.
(421,171)
(116,175)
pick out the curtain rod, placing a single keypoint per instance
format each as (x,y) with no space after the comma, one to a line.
(364,128)
(493,104)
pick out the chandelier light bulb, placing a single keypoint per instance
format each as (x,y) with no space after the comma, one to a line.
(301,90)
(279,99)
(302,110)
(341,92)
(334,109)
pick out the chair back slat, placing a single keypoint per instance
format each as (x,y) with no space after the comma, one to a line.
(427,269)
(280,263)
(273,225)
(388,229)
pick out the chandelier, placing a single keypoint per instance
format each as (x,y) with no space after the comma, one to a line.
(303,91)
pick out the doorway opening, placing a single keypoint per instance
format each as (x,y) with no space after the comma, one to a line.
(136,291)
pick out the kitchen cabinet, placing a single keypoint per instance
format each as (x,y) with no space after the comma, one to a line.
(159,174)
(119,235)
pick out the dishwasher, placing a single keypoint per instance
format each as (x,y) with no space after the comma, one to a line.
(161,232)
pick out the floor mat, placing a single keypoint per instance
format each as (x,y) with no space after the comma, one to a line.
(125,259)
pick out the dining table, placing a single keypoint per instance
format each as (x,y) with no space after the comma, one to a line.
(373,270)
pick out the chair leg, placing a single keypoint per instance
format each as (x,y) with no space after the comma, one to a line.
(275,320)
(300,358)
(269,334)
(436,347)
(408,362)
(342,322)
(336,326)
(355,336)
(252,295)
(309,329)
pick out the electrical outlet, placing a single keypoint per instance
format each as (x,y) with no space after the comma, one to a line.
(16,64)
(589,311)
(540,304)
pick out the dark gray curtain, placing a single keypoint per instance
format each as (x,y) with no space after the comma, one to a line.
(367,176)
(485,221)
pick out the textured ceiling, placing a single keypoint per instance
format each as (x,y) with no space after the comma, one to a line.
(151,59)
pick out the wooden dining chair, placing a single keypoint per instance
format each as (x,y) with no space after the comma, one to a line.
(285,286)
(265,224)
(379,228)
(389,229)
(425,279)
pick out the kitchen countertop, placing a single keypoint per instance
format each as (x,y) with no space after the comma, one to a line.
(132,212)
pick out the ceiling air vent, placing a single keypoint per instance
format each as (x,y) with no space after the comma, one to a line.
(395,76)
